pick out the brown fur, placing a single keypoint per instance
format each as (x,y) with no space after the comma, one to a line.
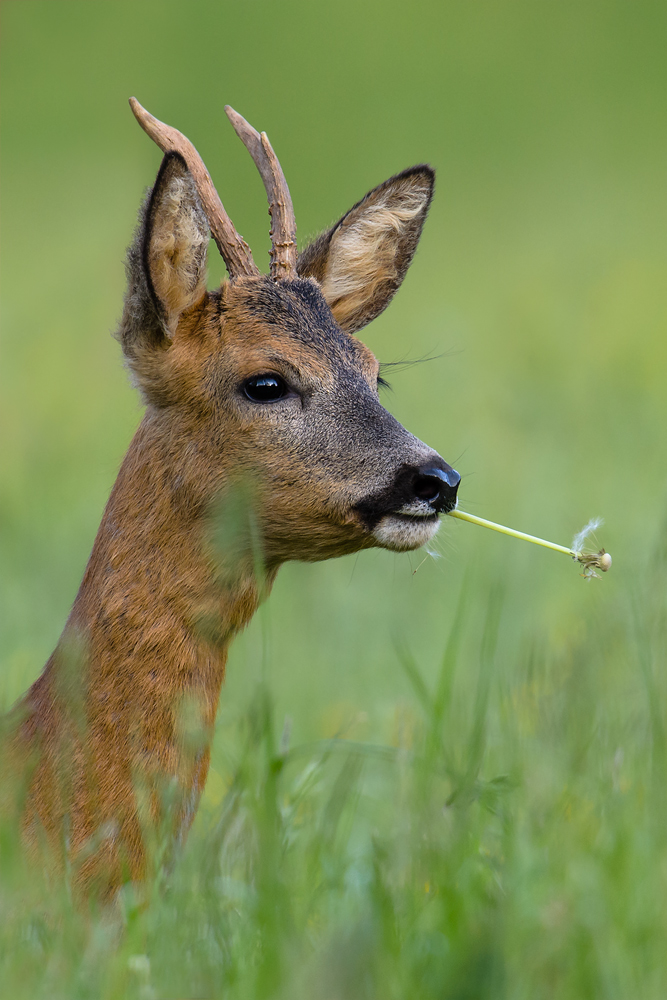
(114,737)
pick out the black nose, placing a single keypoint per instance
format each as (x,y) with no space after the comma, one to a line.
(437,486)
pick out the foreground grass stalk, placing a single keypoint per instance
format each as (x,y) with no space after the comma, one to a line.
(589,560)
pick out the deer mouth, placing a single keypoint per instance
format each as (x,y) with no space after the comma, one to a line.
(402,532)
(418,510)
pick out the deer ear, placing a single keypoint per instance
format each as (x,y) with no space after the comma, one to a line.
(166,264)
(361,261)
(175,241)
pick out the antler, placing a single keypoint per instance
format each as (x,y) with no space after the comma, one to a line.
(283,223)
(235,251)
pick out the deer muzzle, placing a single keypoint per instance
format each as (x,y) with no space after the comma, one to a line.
(404,516)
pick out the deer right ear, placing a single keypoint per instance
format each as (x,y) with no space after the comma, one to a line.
(361,261)
(166,264)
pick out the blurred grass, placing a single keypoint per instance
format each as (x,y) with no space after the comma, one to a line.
(340,870)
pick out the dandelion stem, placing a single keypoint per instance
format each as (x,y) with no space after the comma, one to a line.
(511,531)
(589,560)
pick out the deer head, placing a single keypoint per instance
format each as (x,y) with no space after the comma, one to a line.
(265,375)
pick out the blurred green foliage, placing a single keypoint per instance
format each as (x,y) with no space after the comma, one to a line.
(496,827)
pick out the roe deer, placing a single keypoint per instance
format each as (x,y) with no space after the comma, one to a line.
(260,381)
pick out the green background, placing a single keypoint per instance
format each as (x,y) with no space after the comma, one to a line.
(538,290)
(538,294)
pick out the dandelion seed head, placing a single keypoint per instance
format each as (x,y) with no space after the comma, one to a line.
(605,562)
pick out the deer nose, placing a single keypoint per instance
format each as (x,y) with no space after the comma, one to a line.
(437,486)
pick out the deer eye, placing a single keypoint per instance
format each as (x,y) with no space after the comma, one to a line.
(265,388)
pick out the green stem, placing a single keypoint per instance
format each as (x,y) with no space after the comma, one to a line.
(511,531)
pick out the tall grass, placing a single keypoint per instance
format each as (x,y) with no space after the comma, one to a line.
(508,841)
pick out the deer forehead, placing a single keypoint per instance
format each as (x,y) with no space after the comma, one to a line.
(264,323)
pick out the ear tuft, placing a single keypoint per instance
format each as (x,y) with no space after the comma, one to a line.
(362,260)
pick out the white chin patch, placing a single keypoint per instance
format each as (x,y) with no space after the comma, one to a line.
(401,534)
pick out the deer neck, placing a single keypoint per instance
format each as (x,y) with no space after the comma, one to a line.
(155,579)
(129,697)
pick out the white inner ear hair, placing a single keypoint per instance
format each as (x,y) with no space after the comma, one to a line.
(177,256)
(363,251)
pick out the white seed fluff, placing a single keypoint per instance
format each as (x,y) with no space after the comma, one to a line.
(581,536)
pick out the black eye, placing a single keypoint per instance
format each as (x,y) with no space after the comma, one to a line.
(265,388)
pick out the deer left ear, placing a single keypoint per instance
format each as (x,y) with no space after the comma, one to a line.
(166,271)
(361,261)
(175,241)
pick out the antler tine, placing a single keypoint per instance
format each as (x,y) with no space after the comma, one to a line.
(283,222)
(235,251)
